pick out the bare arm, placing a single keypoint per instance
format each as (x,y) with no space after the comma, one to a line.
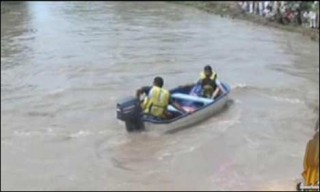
(142,90)
(215,93)
(219,88)
(138,93)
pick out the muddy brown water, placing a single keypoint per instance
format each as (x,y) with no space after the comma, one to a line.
(65,64)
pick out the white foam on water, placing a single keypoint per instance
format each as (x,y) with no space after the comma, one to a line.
(164,155)
(287,100)
(56,92)
(237,101)
(81,134)
(22,133)
(239,85)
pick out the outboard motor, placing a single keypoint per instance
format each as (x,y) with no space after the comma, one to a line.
(130,111)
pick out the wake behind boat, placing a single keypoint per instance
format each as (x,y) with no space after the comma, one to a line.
(130,111)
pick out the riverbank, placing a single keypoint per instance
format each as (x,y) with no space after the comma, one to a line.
(231,9)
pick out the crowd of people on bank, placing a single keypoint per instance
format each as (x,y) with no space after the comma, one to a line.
(305,13)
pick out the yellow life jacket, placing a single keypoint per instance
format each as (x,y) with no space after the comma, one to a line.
(209,91)
(157,102)
(213,76)
(311,162)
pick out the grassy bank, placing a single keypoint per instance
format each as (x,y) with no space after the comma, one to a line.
(232,10)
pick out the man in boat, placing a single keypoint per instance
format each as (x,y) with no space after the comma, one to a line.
(208,85)
(157,100)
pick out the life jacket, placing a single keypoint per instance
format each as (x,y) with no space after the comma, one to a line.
(157,102)
(213,76)
(311,161)
(211,82)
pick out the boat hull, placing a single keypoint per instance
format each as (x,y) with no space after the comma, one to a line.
(196,117)
(199,108)
(189,120)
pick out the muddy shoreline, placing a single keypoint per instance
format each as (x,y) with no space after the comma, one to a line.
(232,10)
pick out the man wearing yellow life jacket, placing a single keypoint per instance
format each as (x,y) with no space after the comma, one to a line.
(157,99)
(208,79)
(209,82)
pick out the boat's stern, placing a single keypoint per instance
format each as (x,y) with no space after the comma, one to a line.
(130,111)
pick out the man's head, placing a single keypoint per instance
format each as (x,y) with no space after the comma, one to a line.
(207,71)
(158,81)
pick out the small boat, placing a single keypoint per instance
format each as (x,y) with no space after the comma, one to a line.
(129,111)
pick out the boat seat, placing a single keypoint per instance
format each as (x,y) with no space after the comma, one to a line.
(205,101)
